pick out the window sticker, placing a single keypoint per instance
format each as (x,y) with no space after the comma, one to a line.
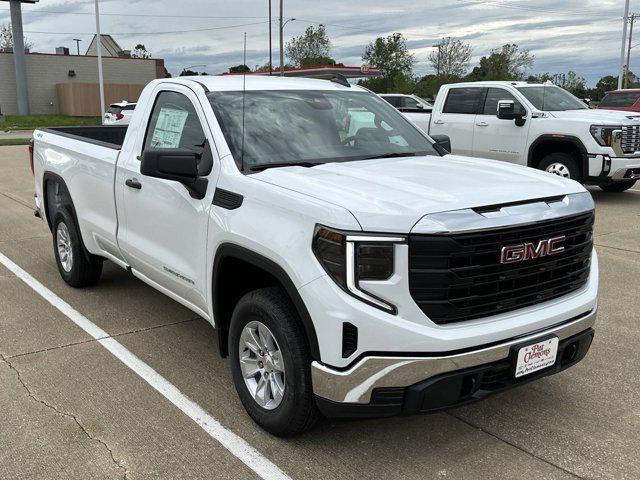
(169,127)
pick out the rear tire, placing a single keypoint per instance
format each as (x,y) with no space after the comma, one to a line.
(618,187)
(266,317)
(563,165)
(77,267)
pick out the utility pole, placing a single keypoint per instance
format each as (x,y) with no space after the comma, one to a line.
(77,40)
(624,42)
(270,43)
(438,46)
(282,42)
(99,50)
(632,20)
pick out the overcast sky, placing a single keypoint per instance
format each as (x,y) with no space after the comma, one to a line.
(583,35)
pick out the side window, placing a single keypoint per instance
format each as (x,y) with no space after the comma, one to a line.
(174,123)
(463,100)
(395,101)
(494,95)
(409,102)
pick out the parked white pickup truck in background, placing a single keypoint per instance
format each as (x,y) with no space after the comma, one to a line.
(540,126)
(413,107)
(349,265)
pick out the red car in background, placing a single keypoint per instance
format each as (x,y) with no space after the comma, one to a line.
(628,100)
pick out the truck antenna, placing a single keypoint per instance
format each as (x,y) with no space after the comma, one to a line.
(244,92)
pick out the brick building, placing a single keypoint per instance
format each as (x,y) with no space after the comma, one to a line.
(54,79)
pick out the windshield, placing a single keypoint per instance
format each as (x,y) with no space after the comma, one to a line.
(422,100)
(310,127)
(552,99)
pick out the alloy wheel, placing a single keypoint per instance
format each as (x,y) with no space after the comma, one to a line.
(262,365)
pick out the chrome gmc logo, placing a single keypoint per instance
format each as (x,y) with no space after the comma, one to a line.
(528,251)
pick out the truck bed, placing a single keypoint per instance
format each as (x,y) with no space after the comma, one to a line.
(109,136)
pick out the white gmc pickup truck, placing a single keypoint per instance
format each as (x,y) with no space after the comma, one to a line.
(350,265)
(537,125)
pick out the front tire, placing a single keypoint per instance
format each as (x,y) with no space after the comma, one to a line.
(563,165)
(270,363)
(77,267)
(618,187)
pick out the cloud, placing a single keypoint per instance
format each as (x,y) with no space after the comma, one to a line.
(583,35)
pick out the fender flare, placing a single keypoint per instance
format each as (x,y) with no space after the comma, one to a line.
(231,250)
(560,139)
(46,177)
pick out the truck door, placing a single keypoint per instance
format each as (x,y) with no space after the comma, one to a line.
(456,117)
(500,139)
(163,228)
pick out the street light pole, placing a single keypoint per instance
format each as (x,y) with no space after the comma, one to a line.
(632,20)
(282,42)
(77,40)
(624,41)
(99,51)
(19,62)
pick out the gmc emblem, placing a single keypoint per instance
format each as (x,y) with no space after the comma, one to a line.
(529,251)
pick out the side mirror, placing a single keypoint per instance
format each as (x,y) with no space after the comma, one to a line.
(507,111)
(587,101)
(420,106)
(177,164)
(443,142)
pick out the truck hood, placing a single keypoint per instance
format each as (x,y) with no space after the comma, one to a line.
(603,117)
(392,195)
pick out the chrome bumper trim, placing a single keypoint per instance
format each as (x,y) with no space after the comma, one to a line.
(356,384)
(621,172)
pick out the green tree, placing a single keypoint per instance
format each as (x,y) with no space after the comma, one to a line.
(604,85)
(239,69)
(140,51)
(451,59)
(311,48)
(390,55)
(571,82)
(505,63)
(540,78)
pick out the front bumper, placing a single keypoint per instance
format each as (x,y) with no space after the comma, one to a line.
(603,169)
(374,380)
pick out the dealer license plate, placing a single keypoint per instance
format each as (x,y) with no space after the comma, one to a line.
(537,356)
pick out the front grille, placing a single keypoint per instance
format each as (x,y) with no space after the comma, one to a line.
(459,277)
(631,138)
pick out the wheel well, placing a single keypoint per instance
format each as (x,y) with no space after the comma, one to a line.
(56,195)
(238,271)
(544,147)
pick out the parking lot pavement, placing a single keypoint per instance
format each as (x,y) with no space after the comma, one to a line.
(70,409)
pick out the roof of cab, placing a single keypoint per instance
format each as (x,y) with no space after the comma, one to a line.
(253,82)
(503,83)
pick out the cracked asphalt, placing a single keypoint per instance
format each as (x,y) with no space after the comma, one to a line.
(69,409)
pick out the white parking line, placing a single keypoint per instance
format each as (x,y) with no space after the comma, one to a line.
(229,440)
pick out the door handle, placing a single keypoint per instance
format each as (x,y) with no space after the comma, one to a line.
(133,183)
(439,122)
(482,124)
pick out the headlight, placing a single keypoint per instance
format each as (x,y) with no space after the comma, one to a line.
(605,135)
(350,258)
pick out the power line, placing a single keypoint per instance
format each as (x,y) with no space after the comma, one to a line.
(537,9)
(144,15)
(31,32)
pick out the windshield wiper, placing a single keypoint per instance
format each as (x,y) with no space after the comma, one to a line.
(394,155)
(264,166)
